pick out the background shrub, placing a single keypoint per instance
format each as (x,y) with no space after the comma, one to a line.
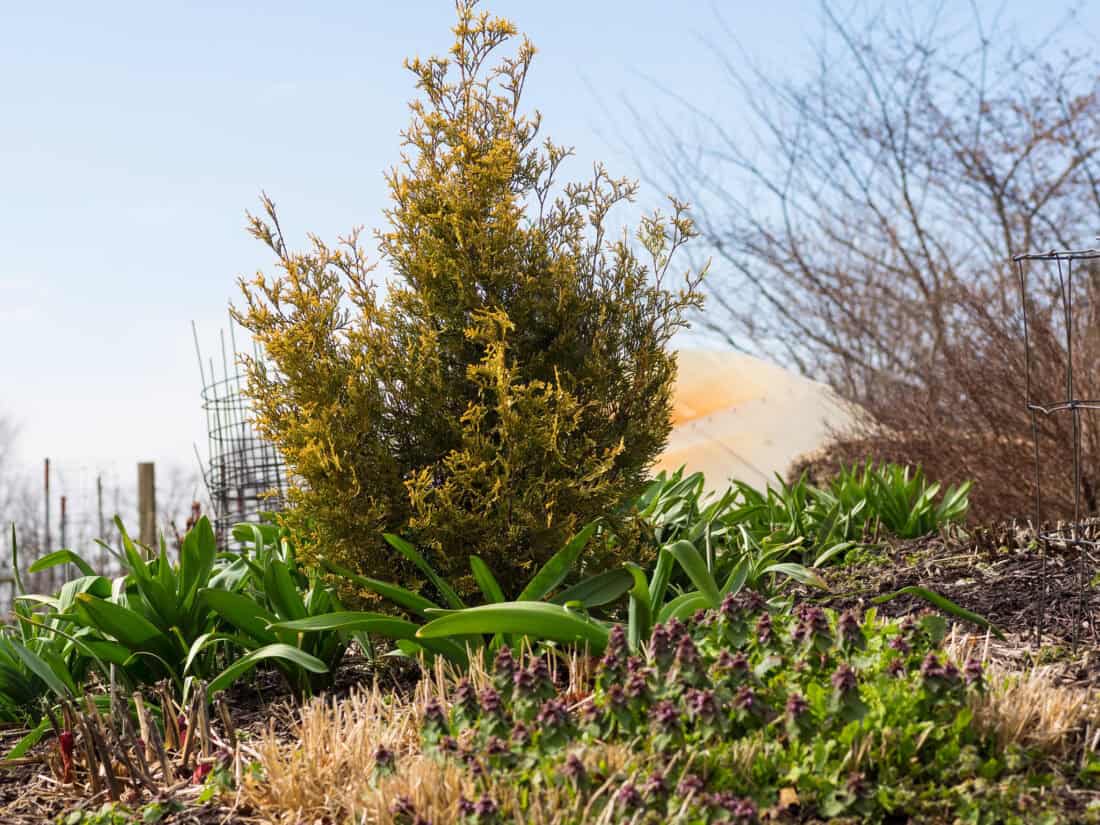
(514,382)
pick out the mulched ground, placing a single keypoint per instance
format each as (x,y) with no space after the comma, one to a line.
(1000,574)
(995,572)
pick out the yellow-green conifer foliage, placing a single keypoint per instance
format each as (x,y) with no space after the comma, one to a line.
(512,382)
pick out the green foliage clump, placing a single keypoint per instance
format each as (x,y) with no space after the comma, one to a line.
(514,381)
(742,714)
(818,524)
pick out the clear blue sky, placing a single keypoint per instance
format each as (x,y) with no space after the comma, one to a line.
(133,136)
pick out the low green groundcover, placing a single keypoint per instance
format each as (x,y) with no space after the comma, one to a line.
(742,714)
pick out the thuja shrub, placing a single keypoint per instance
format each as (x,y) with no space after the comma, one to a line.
(514,380)
(741,715)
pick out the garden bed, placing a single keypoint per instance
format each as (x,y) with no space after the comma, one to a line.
(997,573)
(993,572)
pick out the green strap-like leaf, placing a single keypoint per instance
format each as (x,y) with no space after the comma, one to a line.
(281,652)
(640,617)
(488,583)
(696,569)
(413,602)
(601,589)
(683,606)
(538,620)
(555,570)
(798,572)
(411,553)
(128,626)
(944,604)
(38,666)
(243,613)
(62,557)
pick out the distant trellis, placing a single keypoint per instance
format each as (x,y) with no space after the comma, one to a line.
(244,474)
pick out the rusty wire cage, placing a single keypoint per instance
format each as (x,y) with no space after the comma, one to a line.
(244,474)
(1051,283)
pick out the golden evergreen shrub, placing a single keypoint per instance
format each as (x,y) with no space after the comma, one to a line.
(511,382)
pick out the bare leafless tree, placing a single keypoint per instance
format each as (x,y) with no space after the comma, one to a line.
(863,219)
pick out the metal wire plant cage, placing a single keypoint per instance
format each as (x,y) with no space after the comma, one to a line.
(1058,275)
(244,474)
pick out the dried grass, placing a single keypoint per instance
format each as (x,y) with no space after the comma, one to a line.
(1029,708)
(326,771)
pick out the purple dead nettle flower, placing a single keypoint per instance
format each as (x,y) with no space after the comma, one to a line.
(701,704)
(614,657)
(616,640)
(690,783)
(972,671)
(930,668)
(732,665)
(486,806)
(574,769)
(473,765)
(843,679)
(764,628)
(434,715)
(449,745)
(729,607)
(521,736)
(660,645)
(541,671)
(687,655)
(490,702)
(665,715)
(504,666)
(554,713)
(896,668)
(899,644)
(752,601)
(745,698)
(616,696)
(848,628)
(797,705)
(811,622)
(524,682)
(466,807)
(637,685)
(656,787)
(496,746)
(741,808)
(384,758)
(591,713)
(635,663)
(628,797)
(676,630)
(950,672)
(703,618)
(465,699)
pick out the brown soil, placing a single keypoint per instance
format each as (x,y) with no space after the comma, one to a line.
(1000,574)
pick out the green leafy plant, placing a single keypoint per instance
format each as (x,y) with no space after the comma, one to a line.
(649,601)
(899,499)
(737,715)
(279,590)
(559,615)
(818,526)
(159,619)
